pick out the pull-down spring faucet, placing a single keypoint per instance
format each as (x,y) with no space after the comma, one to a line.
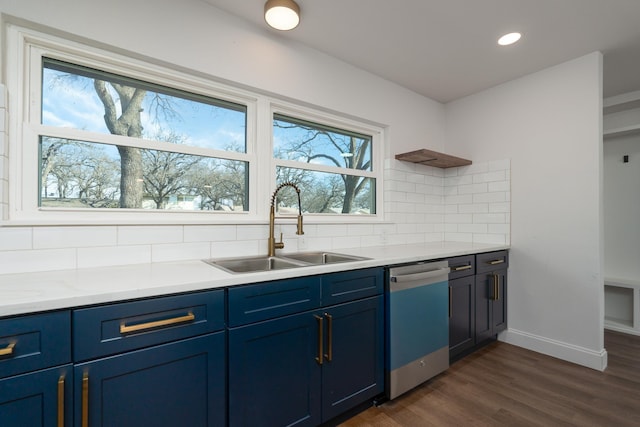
(273,245)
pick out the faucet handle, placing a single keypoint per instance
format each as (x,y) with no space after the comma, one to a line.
(280,244)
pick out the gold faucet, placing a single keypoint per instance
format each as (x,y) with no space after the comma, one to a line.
(273,245)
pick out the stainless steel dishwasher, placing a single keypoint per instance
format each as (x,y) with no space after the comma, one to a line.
(417,325)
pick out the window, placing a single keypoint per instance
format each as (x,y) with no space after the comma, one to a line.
(97,137)
(332,166)
(131,173)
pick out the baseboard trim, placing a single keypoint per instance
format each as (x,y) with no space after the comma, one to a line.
(571,353)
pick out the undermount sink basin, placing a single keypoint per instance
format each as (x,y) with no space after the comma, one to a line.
(280,262)
(316,258)
(253,264)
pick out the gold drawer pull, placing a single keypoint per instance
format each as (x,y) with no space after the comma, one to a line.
(61,402)
(329,355)
(8,350)
(496,261)
(85,400)
(319,358)
(462,267)
(124,329)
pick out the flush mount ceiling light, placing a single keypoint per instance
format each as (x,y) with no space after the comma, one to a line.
(508,39)
(282,14)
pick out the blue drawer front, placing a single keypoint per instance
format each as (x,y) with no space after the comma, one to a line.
(97,330)
(418,322)
(35,342)
(351,285)
(254,303)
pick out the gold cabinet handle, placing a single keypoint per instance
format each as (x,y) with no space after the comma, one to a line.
(496,287)
(319,359)
(496,261)
(61,401)
(329,354)
(85,400)
(125,329)
(8,350)
(462,267)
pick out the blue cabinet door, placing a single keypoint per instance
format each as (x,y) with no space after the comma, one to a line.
(274,377)
(353,368)
(182,383)
(38,399)
(462,315)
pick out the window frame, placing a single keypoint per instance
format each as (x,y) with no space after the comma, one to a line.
(333,121)
(26,47)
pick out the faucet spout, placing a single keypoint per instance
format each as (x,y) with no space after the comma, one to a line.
(273,245)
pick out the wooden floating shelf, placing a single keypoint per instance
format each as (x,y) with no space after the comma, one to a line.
(433,158)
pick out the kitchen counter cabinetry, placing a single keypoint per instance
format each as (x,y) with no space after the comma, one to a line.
(35,370)
(462,312)
(491,294)
(157,362)
(302,351)
(477,300)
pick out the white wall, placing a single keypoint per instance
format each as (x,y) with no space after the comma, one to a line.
(622,208)
(550,125)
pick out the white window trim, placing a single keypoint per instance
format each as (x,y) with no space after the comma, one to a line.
(25,47)
(338,122)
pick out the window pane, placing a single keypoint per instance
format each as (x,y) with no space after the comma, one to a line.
(80,174)
(83,98)
(326,193)
(309,142)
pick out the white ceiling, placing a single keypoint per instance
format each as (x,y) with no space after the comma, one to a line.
(446,49)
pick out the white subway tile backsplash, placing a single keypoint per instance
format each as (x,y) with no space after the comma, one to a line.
(499,196)
(180,251)
(493,218)
(37,260)
(238,248)
(15,239)
(113,255)
(499,186)
(253,232)
(73,237)
(209,233)
(139,235)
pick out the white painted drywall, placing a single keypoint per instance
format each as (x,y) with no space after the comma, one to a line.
(622,208)
(550,125)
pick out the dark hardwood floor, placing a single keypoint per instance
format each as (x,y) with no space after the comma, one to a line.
(505,385)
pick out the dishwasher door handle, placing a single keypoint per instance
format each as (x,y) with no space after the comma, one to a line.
(420,276)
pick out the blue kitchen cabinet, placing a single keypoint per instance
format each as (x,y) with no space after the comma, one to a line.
(305,368)
(274,378)
(153,362)
(353,365)
(462,313)
(37,399)
(175,384)
(491,294)
(35,370)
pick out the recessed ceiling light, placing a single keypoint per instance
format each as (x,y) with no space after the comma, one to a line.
(508,39)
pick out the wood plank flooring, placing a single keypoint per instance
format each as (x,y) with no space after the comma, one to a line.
(505,385)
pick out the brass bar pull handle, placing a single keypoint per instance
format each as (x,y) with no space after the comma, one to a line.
(320,356)
(496,287)
(462,267)
(85,400)
(496,262)
(329,354)
(8,350)
(61,401)
(125,329)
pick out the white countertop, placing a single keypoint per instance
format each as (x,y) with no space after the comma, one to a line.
(51,290)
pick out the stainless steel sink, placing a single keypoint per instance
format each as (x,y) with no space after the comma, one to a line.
(253,264)
(316,258)
(280,262)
